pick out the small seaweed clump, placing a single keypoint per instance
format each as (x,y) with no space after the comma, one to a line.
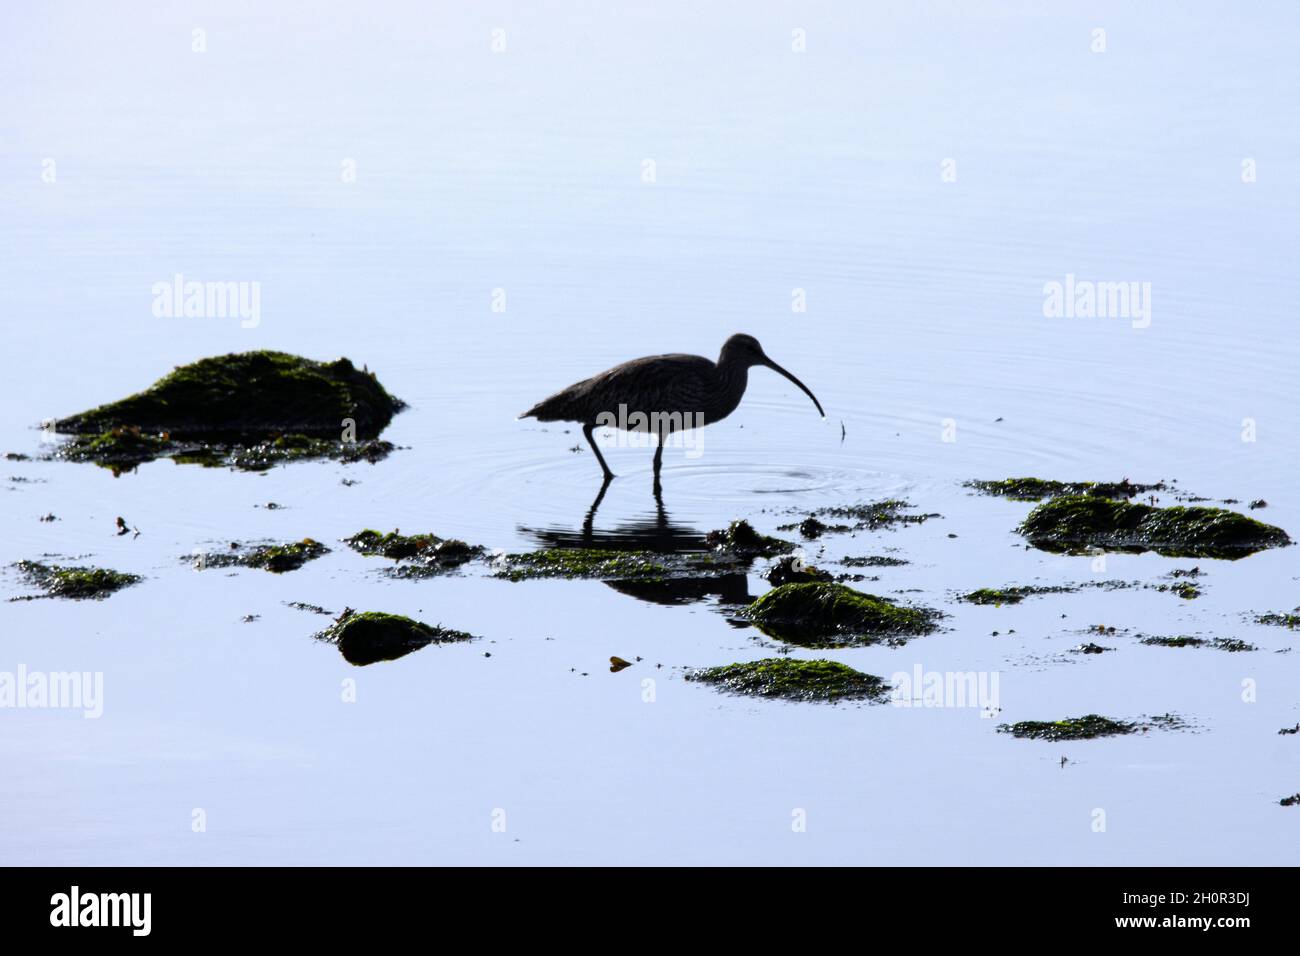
(873,561)
(249,410)
(863,517)
(1230,644)
(792,570)
(788,679)
(276,558)
(372,636)
(75,582)
(1291,620)
(582,563)
(1291,801)
(1011,595)
(427,553)
(741,540)
(1075,522)
(832,615)
(1036,489)
(1088,727)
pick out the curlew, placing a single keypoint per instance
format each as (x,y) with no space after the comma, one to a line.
(661,394)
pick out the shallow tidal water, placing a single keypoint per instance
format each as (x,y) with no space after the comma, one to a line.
(520,173)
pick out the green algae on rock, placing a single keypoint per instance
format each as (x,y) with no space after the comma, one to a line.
(249,410)
(863,517)
(249,394)
(423,554)
(740,539)
(789,679)
(1072,523)
(75,582)
(873,561)
(832,615)
(276,558)
(1088,727)
(1036,489)
(372,636)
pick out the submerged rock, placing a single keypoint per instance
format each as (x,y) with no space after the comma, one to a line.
(1075,522)
(740,539)
(1036,489)
(1088,727)
(372,636)
(249,410)
(789,679)
(276,558)
(422,554)
(832,615)
(75,582)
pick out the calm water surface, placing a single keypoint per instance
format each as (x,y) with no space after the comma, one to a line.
(522,171)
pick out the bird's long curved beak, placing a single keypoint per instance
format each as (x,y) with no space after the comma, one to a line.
(780,371)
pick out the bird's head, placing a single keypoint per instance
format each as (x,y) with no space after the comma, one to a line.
(744,350)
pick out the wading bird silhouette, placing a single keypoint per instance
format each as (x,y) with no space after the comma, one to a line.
(661,394)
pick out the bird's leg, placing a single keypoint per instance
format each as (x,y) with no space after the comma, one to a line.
(591,440)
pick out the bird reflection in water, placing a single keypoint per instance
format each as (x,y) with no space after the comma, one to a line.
(656,534)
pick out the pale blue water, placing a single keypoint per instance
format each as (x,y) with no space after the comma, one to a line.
(522,171)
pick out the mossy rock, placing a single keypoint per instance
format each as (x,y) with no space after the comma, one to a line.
(832,615)
(1036,489)
(276,558)
(1078,522)
(1088,727)
(249,395)
(873,561)
(789,679)
(75,582)
(424,554)
(372,636)
(740,539)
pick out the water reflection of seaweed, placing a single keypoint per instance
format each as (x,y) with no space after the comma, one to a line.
(655,533)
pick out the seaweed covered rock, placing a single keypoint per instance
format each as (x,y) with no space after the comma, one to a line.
(1076,522)
(276,558)
(1036,489)
(832,615)
(740,539)
(1087,727)
(870,516)
(74,582)
(789,679)
(251,410)
(249,394)
(421,554)
(372,636)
